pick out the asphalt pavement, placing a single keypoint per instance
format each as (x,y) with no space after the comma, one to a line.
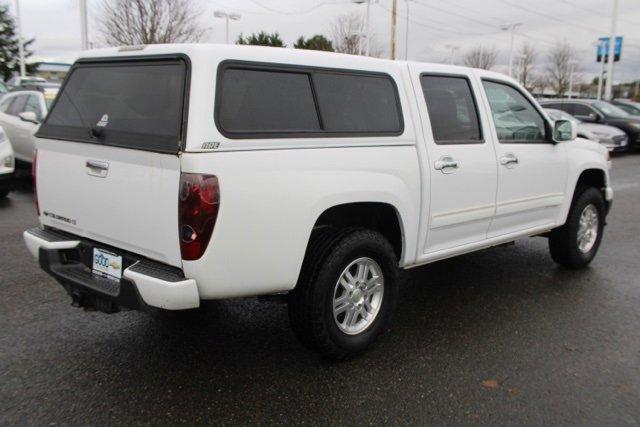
(501,336)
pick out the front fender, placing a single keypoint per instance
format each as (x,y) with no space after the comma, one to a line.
(584,155)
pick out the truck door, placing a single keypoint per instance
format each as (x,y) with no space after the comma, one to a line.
(462,163)
(532,170)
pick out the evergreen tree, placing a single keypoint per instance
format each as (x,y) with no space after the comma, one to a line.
(262,39)
(9,50)
(317,42)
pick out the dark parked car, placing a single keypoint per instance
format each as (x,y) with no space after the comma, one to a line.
(627,105)
(602,112)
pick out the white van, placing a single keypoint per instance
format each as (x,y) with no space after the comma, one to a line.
(171,174)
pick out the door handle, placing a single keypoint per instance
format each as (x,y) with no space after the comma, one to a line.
(509,160)
(97,168)
(446,164)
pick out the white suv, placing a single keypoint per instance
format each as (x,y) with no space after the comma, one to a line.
(167,175)
(7,164)
(20,115)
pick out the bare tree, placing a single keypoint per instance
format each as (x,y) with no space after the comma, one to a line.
(347,33)
(525,67)
(133,22)
(559,68)
(537,84)
(481,57)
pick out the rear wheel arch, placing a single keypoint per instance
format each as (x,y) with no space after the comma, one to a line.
(377,216)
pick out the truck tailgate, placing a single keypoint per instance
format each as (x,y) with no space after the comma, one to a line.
(132,204)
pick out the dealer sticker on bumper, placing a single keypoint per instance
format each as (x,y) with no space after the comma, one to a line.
(107,264)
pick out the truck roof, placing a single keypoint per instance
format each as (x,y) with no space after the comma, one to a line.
(266,54)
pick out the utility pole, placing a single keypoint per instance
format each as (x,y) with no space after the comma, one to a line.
(394,10)
(406,34)
(512,29)
(23,68)
(608,93)
(83,25)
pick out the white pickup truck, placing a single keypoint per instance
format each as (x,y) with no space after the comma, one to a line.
(171,174)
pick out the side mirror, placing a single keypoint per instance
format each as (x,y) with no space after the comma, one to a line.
(29,116)
(564,130)
(591,117)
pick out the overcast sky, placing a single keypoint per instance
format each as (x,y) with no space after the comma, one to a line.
(433,25)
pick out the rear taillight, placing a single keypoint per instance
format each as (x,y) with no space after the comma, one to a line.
(199,200)
(34,173)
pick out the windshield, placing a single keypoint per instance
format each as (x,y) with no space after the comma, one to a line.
(609,110)
(633,109)
(32,80)
(50,95)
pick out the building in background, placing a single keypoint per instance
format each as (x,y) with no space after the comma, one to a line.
(52,71)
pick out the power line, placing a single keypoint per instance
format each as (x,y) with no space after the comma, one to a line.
(566,23)
(544,15)
(430,26)
(299,12)
(597,12)
(455,14)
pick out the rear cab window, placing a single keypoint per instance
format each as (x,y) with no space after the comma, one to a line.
(136,104)
(281,101)
(452,109)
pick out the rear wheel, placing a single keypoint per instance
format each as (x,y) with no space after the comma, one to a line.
(346,293)
(575,244)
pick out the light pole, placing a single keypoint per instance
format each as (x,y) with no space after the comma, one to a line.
(512,29)
(520,69)
(227,16)
(608,95)
(23,68)
(83,25)
(367,27)
(600,52)
(406,34)
(572,67)
(453,49)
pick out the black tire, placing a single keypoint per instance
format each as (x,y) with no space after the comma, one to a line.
(3,194)
(311,303)
(563,241)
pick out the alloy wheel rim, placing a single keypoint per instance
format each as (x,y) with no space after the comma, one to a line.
(588,229)
(357,296)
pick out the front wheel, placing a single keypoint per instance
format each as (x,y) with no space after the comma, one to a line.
(346,293)
(575,244)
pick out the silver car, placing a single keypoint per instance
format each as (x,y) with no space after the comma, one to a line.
(611,137)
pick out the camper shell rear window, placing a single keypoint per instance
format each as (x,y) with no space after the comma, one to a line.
(138,104)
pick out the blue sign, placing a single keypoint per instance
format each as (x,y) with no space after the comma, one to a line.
(603,49)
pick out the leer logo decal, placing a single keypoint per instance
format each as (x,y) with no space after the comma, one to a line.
(104,121)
